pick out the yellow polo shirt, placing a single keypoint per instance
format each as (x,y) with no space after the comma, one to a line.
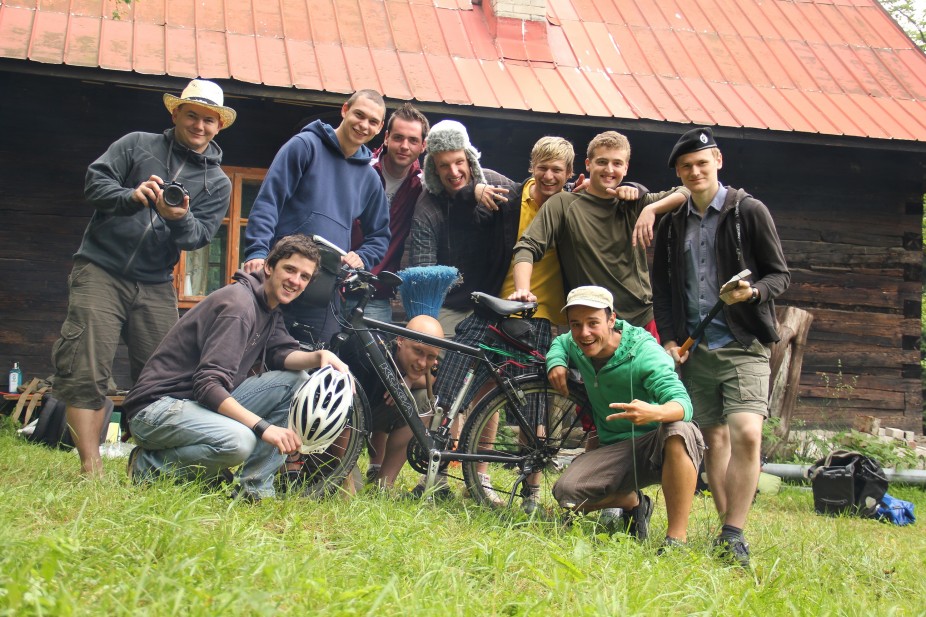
(546,280)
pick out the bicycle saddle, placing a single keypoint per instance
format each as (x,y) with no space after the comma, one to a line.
(492,307)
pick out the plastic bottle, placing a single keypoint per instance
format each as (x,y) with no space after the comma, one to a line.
(16,378)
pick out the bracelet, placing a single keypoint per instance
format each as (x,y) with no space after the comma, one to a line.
(259,428)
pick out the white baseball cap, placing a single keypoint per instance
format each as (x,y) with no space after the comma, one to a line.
(590,295)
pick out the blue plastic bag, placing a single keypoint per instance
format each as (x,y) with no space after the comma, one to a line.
(895,511)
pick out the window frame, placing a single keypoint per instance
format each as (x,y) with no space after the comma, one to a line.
(237,175)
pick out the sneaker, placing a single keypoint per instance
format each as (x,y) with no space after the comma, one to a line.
(531,501)
(224,478)
(239,494)
(636,520)
(441,488)
(733,550)
(372,473)
(611,520)
(670,544)
(132,467)
(491,496)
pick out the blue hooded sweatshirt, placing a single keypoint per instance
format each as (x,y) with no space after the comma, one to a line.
(311,188)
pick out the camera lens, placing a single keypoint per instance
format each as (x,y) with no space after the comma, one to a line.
(173,195)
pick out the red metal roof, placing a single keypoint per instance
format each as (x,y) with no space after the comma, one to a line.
(832,67)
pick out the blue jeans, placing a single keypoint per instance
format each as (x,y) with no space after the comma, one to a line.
(379,309)
(187,440)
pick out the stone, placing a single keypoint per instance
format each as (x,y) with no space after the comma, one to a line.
(867,424)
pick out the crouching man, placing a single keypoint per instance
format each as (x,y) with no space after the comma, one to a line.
(391,433)
(216,392)
(647,439)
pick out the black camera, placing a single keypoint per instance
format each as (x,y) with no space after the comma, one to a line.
(174,193)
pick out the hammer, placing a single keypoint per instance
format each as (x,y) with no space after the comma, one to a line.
(728,286)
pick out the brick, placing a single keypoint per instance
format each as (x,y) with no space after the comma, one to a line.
(867,424)
(894,433)
(909,436)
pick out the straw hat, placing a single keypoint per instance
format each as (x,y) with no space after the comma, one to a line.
(205,94)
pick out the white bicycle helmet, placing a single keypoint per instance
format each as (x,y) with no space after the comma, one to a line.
(320,408)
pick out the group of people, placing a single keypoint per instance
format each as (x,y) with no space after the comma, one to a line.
(212,389)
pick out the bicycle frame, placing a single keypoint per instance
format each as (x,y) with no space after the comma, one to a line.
(361,326)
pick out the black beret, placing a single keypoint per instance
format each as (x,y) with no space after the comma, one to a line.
(700,138)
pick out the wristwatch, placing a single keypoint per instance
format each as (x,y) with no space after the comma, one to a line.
(755,296)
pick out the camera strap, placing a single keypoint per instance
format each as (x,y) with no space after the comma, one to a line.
(179,169)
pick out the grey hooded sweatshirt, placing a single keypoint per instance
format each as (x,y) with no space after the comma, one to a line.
(132,241)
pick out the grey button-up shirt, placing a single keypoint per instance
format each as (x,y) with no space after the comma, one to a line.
(701,284)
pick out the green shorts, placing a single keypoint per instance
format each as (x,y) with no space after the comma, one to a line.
(727,380)
(103,310)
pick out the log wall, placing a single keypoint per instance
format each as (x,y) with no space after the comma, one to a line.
(849,218)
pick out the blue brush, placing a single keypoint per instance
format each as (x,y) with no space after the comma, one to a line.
(425,287)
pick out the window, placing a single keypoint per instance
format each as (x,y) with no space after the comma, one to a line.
(204,270)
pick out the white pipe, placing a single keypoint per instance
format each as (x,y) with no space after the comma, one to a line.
(799,472)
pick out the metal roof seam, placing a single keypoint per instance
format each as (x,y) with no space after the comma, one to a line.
(344,59)
(366,36)
(826,44)
(862,63)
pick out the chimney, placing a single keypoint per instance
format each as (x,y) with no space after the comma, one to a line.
(525,10)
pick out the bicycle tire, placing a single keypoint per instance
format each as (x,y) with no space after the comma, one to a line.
(564,431)
(321,475)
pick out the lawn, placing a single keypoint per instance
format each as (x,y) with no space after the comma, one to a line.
(74,547)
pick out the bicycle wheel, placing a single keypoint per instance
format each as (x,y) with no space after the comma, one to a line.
(322,474)
(492,430)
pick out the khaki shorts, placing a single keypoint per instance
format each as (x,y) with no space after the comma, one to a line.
(624,466)
(727,380)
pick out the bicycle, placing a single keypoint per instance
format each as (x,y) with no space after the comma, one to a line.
(534,421)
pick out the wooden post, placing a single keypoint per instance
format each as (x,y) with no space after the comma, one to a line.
(785,363)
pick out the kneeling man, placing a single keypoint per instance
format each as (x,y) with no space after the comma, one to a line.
(391,434)
(647,439)
(216,392)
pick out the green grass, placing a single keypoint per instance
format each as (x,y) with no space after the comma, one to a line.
(73,547)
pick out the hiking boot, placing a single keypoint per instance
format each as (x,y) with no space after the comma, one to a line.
(670,544)
(636,520)
(732,549)
(531,501)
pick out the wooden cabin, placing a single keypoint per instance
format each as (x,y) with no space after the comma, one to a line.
(840,159)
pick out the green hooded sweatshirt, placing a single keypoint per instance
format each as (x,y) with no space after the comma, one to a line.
(639,369)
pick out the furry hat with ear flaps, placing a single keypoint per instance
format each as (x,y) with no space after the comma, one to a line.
(447,136)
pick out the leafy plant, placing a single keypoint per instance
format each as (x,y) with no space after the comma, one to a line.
(837,386)
(890,454)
